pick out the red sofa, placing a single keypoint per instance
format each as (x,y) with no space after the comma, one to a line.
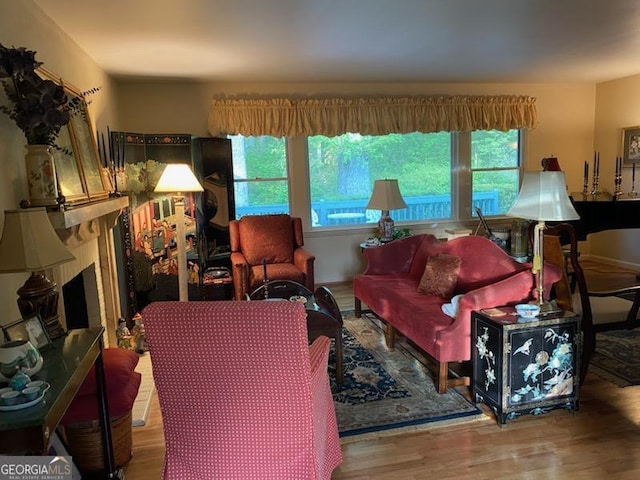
(487,277)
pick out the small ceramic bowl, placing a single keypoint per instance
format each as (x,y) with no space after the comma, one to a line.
(9,398)
(527,310)
(31,393)
(35,383)
(5,389)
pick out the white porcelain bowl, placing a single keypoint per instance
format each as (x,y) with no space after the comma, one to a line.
(527,310)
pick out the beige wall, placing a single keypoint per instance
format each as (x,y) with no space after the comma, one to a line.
(615,110)
(566,116)
(566,112)
(22,24)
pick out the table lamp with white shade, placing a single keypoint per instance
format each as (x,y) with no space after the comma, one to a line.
(386,196)
(178,179)
(543,197)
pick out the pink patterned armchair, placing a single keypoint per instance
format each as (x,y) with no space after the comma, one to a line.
(241,392)
(276,239)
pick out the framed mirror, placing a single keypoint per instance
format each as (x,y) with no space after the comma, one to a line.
(67,170)
(78,168)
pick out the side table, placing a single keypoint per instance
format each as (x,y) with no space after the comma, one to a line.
(66,364)
(525,367)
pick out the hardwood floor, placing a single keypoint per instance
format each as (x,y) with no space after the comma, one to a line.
(601,441)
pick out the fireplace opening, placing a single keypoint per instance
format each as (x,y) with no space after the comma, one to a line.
(80,299)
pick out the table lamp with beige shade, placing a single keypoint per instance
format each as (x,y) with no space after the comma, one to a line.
(386,196)
(30,244)
(178,179)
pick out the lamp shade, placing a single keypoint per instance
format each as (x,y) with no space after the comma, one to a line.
(177,177)
(386,196)
(543,196)
(29,243)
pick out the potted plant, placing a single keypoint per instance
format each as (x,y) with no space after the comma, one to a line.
(40,108)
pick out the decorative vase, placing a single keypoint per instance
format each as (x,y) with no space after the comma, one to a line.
(41,176)
(19,355)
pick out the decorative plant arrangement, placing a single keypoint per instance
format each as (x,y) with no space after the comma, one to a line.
(40,107)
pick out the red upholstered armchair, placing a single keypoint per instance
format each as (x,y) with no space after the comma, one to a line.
(274,239)
(242,394)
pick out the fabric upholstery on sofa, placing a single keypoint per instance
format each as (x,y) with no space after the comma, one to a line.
(274,239)
(242,395)
(487,277)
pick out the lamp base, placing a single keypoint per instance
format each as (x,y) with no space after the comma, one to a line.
(386,227)
(38,295)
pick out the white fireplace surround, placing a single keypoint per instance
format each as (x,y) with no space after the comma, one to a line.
(87,231)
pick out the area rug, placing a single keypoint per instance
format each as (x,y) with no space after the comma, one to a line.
(617,357)
(387,392)
(142,404)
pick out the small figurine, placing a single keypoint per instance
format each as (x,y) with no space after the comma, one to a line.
(139,337)
(123,334)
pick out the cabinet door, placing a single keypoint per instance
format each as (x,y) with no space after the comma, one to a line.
(542,363)
(487,362)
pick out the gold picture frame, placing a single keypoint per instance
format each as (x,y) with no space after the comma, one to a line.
(631,144)
(80,176)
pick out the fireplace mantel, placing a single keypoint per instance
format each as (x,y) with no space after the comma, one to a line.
(84,213)
(87,230)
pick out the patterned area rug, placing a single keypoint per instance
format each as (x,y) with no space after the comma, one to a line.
(617,357)
(388,392)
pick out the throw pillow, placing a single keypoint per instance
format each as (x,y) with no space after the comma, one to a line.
(440,275)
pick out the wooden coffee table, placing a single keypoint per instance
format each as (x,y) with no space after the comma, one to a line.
(323,314)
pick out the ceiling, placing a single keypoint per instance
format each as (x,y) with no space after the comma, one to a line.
(585,41)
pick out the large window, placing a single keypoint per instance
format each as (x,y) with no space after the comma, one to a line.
(342,171)
(495,168)
(260,176)
(442,176)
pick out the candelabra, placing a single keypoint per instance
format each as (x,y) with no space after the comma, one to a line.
(618,178)
(594,190)
(585,186)
(633,192)
(596,174)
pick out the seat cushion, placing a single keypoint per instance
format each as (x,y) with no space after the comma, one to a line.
(266,237)
(119,365)
(122,382)
(85,408)
(277,271)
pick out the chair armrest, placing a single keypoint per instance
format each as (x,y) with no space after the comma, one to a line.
(319,358)
(303,258)
(240,272)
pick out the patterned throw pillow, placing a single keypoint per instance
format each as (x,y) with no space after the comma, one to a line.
(440,275)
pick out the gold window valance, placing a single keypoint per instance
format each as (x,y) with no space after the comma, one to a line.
(288,117)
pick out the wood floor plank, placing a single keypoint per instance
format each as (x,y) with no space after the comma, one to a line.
(600,441)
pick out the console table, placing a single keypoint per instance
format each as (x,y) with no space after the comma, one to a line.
(67,362)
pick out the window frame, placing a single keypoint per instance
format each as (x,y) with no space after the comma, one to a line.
(299,184)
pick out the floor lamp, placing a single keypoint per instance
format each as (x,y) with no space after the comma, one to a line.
(30,244)
(386,196)
(543,197)
(178,179)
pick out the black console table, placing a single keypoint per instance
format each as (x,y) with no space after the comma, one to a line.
(66,364)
